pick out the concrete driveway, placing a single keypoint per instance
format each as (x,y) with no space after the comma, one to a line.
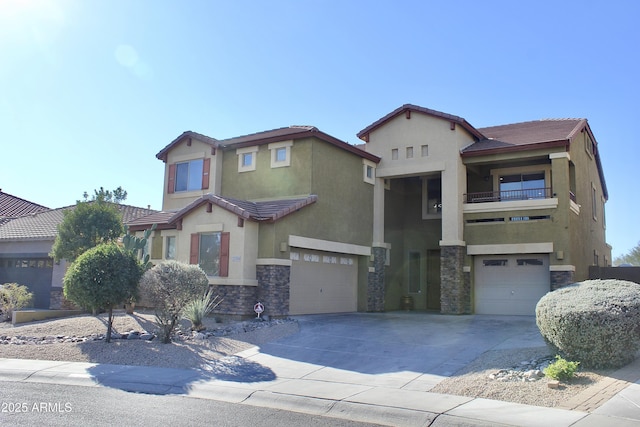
(398,349)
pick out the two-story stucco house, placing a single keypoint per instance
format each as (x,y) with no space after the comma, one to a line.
(282,217)
(484,220)
(462,220)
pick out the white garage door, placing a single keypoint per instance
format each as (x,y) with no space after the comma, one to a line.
(510,284)
(322,282)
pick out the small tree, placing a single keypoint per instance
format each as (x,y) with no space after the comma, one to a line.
(104,276)
(170,286)
(89,224)
(633,257)
(14,297)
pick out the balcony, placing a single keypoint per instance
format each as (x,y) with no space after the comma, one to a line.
(509,195)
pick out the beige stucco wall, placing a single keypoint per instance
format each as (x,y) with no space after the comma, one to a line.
(181,152)
(243,245)
(444,145)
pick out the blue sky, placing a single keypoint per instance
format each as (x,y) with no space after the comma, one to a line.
(90,91)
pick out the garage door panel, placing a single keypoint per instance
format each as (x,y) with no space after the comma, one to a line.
(510,284)
(323,283)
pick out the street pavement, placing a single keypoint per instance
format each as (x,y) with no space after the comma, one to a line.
(369,367)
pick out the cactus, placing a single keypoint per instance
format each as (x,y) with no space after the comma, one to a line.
(136,244)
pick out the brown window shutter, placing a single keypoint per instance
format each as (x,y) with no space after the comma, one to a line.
(206,166)
(224,254)
(194,249)
(171,186)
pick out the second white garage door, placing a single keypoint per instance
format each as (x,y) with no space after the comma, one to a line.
(510,284)
(322,282)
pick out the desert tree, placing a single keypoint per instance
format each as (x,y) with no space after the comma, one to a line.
(633,257)
(89,224)
(103,277)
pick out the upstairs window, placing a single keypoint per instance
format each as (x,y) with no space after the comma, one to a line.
(431,198)
(369,171)
(191,175)
(247,159)
(524,186)
(280,154)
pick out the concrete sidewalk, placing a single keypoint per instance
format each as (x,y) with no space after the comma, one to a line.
(386,383)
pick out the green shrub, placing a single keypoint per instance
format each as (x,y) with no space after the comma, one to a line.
(196,310)
(14,297)
(170,286)
(595,321)
(103,277)
(561,369)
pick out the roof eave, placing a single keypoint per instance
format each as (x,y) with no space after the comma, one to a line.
(162,154)
(363,134)
(515,148)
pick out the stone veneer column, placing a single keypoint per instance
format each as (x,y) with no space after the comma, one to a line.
(273,289)
(560,279)
(375,280)
(455,288)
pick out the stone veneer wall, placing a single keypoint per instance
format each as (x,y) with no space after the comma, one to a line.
(375,281)
(59,302)
(560,279)
(273,289)
(236,300)
(455,288)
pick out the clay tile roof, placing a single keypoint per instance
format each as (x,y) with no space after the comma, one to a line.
(13,207)
(258,211)
(292,133)
(533,132)
(44,225)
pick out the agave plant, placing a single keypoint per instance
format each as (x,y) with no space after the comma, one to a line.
(196,310)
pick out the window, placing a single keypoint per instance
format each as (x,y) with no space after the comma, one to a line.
(431,198)
(594,206)
(394,154)
(280,154)
(414,272)
(369,171)
(211,252)
(529,261)
(522,186)
(188,175)
(409,152)
(494,262)
(247,158)
(424,150)
(170,247)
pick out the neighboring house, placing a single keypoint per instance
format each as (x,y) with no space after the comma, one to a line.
(485,220)
(462,220)
(12,207)
(25,244)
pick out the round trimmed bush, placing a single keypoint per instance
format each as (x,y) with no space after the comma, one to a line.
(596,322)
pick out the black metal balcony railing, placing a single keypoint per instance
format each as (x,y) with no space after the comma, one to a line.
(508,196)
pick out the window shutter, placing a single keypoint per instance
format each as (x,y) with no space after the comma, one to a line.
(171,186)
(206,166)
(224,254)
(194,249)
